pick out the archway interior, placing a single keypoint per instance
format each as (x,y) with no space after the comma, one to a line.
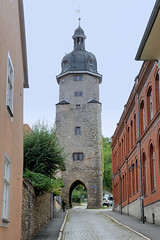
(81,190)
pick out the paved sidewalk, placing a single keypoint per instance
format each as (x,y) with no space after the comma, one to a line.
(149,230)
(51,230)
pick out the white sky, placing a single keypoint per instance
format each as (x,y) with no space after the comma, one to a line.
(114,30)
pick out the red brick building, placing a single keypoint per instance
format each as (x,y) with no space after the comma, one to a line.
(136,149)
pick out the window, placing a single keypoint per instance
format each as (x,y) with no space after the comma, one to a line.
(157,85)
(64,65)
(6,189)
(133,179)
(78,156)
(78,94)
(10,82)
(128,142)
(136,176)
(131,134)
(135,128)
(142,117)
(77,77)
(94,95)
(62,81)
(95,80)
(152,169)
(77,130)
(91,62)
(63,96)
(144,175)
(149,104)
(78,106)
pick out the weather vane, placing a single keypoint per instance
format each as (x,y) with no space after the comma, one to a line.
(79,11)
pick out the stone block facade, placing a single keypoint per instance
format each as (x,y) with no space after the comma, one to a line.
(89,171)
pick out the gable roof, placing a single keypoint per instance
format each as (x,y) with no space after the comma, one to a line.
(63,102)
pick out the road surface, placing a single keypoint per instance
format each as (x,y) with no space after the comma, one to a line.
(90,224)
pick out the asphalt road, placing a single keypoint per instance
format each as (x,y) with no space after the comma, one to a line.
(90,224)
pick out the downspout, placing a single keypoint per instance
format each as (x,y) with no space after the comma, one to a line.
(140,162)
(120,190)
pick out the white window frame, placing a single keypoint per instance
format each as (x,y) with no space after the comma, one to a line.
(10,86)
(6,191)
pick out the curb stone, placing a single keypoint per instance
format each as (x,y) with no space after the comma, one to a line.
(134,231)
(62,228)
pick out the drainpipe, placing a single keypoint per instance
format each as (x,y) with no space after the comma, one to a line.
(120,189)
(140,161)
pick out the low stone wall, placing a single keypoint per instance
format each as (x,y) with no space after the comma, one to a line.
(36,210)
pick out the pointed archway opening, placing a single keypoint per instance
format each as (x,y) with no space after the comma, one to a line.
(77,193)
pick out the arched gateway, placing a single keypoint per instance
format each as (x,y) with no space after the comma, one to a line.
(72,187)
(78,122)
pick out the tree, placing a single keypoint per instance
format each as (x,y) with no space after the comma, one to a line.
(107,163)
(42,152)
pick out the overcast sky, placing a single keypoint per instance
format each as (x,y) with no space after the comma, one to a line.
(114,30)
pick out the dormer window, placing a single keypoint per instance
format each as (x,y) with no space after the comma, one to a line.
(91,61)
(64,64)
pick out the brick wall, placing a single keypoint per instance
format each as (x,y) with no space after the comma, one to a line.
(135,148)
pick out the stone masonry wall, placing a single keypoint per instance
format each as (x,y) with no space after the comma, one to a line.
(88,171)
(36,211)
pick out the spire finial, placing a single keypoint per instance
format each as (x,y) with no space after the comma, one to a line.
(79,19)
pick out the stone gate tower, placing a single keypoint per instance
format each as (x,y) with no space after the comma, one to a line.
(78,122)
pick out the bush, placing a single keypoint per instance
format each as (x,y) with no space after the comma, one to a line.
(42,152)
(43,183)
(76,196)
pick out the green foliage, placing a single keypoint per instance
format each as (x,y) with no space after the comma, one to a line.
(43,183)
(107,158)
(78,193)
(42,152)
(76,196)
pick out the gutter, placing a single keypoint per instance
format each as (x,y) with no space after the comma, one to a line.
(148,29)
(23,43)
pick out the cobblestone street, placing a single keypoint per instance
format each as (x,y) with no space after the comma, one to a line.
(90,224)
